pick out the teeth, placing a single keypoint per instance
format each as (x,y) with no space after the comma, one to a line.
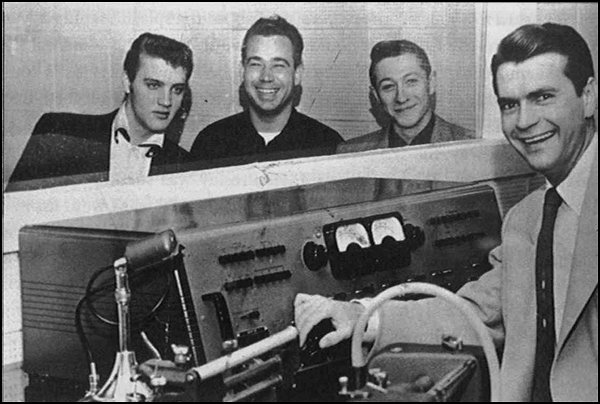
(266,91)
(539,138)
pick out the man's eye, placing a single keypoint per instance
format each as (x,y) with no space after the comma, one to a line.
(544,97)
(178,90)
(507,106)
(152,86)
(412,82)
(387,87)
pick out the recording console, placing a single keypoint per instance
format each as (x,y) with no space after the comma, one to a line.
(233,285)
(243,278)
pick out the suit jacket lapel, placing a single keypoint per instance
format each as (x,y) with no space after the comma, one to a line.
(584,273)
(380,139)
(437,135)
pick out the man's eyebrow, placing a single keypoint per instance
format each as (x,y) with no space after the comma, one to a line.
(530,96)
(505,100)
(545,90)
(282,60)
(146,79)
(384,79)
(414,73)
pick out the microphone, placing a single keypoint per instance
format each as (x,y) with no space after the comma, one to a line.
(150,250)
(122,384)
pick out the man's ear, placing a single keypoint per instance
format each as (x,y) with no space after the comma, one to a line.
(126,83)
(373,96)
(590,97)
(298,74)
(432,82)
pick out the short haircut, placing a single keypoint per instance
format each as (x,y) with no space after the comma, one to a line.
(175,53)
(275,25)
(532,40)
(387,49)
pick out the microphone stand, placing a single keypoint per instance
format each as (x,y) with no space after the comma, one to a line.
(122,383)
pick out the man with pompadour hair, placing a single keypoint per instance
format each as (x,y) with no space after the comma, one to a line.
(127,144)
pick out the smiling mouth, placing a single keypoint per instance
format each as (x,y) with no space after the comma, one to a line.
(404,109)
(267,91)
(539,138)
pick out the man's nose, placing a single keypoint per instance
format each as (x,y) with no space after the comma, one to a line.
(527,117)
(401,95)
(165,99)
(266,74)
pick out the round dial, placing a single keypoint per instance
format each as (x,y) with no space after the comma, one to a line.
(351,233)
(389,226)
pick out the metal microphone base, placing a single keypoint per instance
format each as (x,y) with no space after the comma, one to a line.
(122,384)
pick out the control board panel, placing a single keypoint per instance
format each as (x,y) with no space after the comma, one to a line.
(231,285)
(243,278)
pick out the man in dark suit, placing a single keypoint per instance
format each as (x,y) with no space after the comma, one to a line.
(540,300)
(125,145)
(269,128)
(403,90)
(403,85)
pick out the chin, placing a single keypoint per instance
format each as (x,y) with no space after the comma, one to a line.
(541,164)
(268,109)
(159,129)
(403,123)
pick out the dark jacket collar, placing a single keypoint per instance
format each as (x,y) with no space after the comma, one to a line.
(424,137)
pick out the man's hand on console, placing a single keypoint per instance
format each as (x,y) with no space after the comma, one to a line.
(309,310)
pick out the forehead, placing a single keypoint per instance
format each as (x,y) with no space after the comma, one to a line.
(398,66)
(516,80)
(152,67)
(270,47)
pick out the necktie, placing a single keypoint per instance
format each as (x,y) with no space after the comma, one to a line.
(153,150)
(545,335)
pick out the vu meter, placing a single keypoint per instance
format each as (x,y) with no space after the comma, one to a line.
(366,245)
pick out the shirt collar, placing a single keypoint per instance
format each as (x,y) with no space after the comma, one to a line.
(121,122)
(423,137)
(572,189)
(287,134)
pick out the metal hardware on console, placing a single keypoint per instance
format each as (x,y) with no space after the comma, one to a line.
(227,295)
(122,384)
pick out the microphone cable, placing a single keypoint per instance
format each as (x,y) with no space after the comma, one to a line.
(90,292)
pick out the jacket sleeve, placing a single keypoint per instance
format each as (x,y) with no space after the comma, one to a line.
(426,321)
(31,164)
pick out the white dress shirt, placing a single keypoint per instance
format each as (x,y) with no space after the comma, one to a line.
(128,162)
(572,191)
(268,136)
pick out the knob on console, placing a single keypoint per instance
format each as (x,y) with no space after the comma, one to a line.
(314,256)
(414,235)
(310,352)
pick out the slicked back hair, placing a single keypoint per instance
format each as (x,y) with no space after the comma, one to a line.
(532,40)
(275,25)
(175,53)
(388,49)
